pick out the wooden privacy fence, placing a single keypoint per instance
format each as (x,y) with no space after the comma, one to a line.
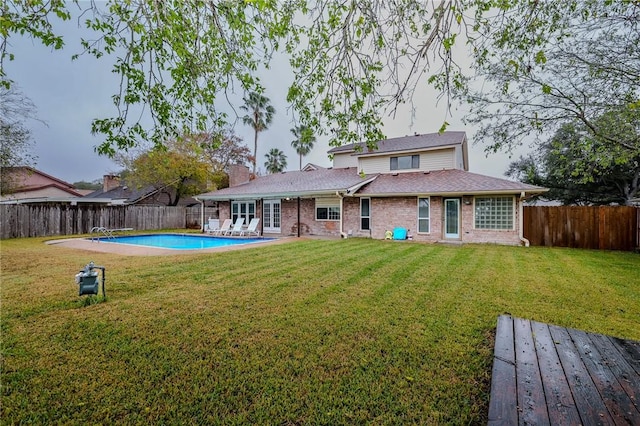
(589,227)
(24,220)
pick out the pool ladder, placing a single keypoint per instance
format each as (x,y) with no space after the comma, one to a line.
(106,232)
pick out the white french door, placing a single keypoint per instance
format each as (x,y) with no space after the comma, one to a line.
(271,216)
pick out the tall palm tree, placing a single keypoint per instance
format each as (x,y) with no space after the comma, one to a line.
(276,161)
(259,116)
(303,143)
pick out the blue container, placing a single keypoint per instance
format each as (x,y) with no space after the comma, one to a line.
(399,234)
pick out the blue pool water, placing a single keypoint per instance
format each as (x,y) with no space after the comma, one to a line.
(179,241)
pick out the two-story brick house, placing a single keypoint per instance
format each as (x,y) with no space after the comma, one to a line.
(420,183)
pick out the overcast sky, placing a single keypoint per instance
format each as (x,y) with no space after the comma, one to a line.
(70,94)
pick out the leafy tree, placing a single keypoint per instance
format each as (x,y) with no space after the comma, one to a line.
(94,185)
(259,117)
(178,170)
(304,141)
(276,161)
(581,168)
(585,65)
(353,62)
(15,138)
(221,149)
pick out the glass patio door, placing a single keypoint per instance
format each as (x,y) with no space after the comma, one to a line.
(452,218)
(271,215)
(244,209)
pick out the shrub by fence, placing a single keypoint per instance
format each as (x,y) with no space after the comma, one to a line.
(589,227)
(30,220)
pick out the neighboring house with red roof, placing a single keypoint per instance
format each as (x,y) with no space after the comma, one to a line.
(29,183)
(420,183)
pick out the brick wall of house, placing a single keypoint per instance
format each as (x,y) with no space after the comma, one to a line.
(308,224)
(386,214)
(389,213)
(224,211)
(351,217)
(471,235)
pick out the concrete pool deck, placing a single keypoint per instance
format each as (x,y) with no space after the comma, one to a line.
(131,250)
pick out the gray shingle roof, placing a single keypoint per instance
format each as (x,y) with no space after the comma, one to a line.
(328,181)
(406,143)
(297,183)
(123,192)
(443,182)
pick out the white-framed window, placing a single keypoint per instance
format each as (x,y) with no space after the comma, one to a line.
(494,212)
(365,214)
(271,215)
(424,215)
(405,162)
(327,209)
(246,209)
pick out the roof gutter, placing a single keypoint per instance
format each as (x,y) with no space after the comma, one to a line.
(453,194)
(301,194)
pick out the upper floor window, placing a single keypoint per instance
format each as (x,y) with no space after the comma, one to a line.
(405,162)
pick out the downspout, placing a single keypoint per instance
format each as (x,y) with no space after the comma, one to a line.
(342,234)
(521,220)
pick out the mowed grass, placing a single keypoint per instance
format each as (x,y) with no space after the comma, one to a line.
(310,332)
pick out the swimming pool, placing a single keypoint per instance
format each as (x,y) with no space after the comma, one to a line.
(179,241)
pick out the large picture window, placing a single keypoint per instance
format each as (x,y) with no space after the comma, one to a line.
(327,209)
(494,212)
(405,162)
(424,215)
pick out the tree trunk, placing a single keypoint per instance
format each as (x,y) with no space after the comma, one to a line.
(255,151)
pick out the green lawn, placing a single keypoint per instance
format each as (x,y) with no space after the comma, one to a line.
(311,332)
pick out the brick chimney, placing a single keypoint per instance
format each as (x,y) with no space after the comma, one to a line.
(238,174)
(110,182)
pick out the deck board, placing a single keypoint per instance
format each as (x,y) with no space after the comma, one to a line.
(545,374)
(531,400)
(504,376)
(562,409)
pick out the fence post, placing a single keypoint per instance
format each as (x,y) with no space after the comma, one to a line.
(601,228)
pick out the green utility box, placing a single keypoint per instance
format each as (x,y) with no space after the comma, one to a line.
(88,281)
(88,284)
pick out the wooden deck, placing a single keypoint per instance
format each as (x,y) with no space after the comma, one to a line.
(549,375)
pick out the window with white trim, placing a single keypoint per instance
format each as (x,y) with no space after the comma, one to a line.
(246,209)
(365,214)
(424,214)
(494,212)
(405,162)
(327,209)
